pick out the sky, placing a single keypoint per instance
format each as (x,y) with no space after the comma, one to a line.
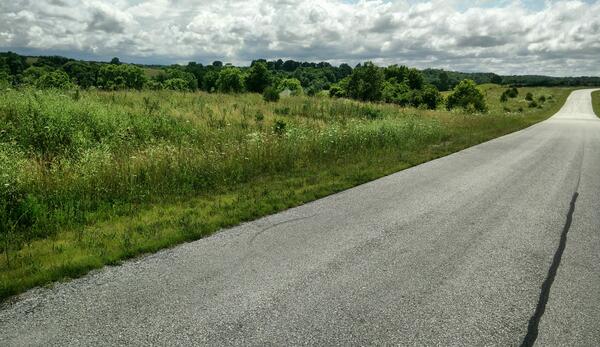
(557,38)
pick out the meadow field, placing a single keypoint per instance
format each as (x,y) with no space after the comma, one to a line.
(90,178)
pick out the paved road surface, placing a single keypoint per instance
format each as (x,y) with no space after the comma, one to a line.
(462,250)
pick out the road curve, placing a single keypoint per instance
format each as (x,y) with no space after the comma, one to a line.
(494,245)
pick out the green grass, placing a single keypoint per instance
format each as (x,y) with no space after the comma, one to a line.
(596,102)
(94,178)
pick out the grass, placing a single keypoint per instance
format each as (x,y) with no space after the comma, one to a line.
(596,102)
(92,178)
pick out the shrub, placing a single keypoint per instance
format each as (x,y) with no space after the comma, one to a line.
(533,104)
(112,77)
(279,127)
(529,97)
(431,97)
(54,79)
(542,99)
(271,95)
(176,84)
(504,97)
(512,92)
(230,80)
(467,96)
(292,84)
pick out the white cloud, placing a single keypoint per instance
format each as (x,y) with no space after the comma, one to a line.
(561,38)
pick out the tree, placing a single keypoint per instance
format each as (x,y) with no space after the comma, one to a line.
(115,61)
(340,89)
(366,82)
(176,84)
(467,96)
(393,90)
(230,80)
(84,74)
(496,79)
(397,72)
(431,97)
(292,84)
(258,78)
(271,94)
(415,79)
(33,73)
(209,81)
(122,76)
(444,81)
(177,73)
(57,79)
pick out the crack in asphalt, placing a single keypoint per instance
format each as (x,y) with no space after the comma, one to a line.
(534,321)
(260,232)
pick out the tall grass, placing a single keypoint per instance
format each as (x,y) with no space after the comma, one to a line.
(90,178)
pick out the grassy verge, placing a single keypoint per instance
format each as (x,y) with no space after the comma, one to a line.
(596,102)
(94,178)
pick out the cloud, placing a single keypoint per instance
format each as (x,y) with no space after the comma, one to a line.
(556,38)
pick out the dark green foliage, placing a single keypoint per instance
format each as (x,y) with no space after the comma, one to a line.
(366,82)
(258,78)
(399,73)
(81,73)
(54,79)
(279,127)
(542,99)
(230,80)
(114,77)
(291,84)
(529,97)
(209,81)
(271,94)
(503,97)
(414,79)
(177,73)
(532,104)
(496,79)
(431,97)
(466,95)
(176,84)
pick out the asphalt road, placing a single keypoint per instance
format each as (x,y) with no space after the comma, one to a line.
(482,247)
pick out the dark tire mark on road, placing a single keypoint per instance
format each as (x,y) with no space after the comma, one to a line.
(534,321)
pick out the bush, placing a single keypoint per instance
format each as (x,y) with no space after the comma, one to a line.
(430,97)
(504,97)
(533,104)
(271,95)
(529,97)
(54,79)
(122,76)
(542,99)
(467,96)
(176,84)
(292,84)
(279,127)
(512,92)
(230,80)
